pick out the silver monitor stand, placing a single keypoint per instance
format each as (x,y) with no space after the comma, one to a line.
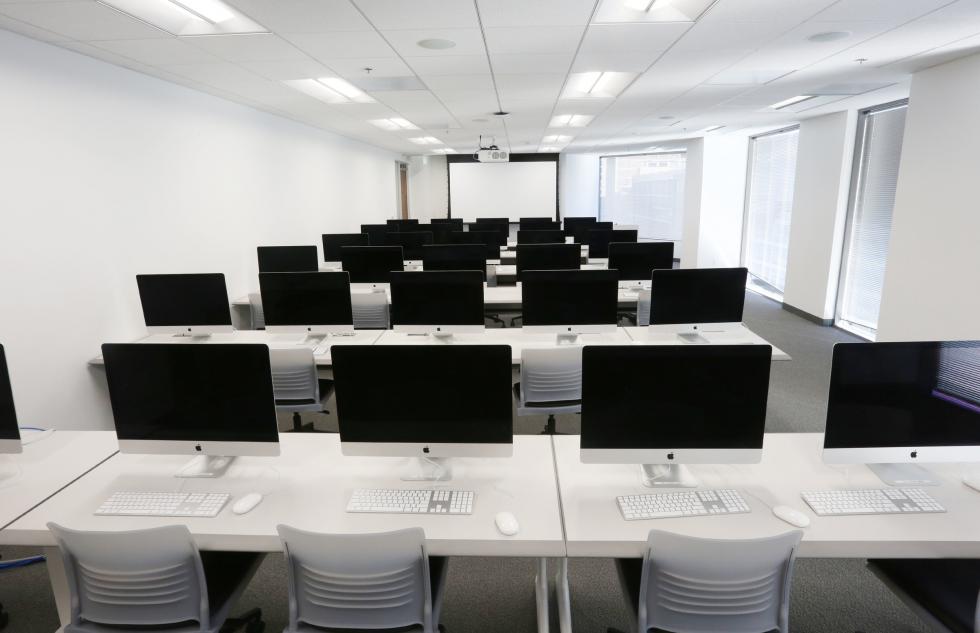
(205,466)
(428,469)
(904,475)
(668,476)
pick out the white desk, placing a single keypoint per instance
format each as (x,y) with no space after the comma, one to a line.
(47,466)
(741,336)
(509,296)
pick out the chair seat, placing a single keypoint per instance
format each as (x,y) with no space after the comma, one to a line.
(308,404)
(946,588)
(554,406)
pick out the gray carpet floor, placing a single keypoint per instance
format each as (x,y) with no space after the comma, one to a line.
(493,595)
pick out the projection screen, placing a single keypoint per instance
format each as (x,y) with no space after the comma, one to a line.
(497,190)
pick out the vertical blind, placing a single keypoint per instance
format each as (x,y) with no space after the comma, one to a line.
(772,175)
(646,190)
(869,216)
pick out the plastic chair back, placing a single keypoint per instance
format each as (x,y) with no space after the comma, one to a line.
(370,310)
(294,374)
(255,307)
(551,374)
(643,307)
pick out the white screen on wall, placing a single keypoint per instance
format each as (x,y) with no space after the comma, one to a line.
(497,190)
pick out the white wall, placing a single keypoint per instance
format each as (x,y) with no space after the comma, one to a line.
(428,187)
(932,278)
(578,185)
(693,183)
(108,173)
(723,171)
(823,176)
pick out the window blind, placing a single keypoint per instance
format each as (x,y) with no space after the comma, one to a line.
(869,218)
(772,176)
(959,371)
(646,190)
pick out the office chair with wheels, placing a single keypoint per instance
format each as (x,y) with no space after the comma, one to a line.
(943,593)
(255,308)
(362,582)
(297,385)
(696,585)
(153,579)
(370,310)
(551,383)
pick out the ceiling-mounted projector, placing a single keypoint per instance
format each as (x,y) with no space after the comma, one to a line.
(491,153)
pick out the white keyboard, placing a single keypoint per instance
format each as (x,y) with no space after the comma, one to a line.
(667,505)
(411,501)
(164,504)
(871,501)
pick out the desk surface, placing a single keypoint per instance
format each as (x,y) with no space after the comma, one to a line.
(741,336)
(308,487)
(46,466)
(791,463)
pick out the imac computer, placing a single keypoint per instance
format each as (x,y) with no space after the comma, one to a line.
(430,402)
(402,225)
(315,304)
(185,305)
(538,223)
(636,261)
(684,300)
(548,257)
(212,401)
(9,431)
(570,302)
(333,242)
(437,303)
(663,406)
(492,241)
(580,232)
(371,264)
(499,226)
(535,236)
(411,243)
(455,257)
(894,405)
(569,224)
(287,259)
(492,221)
(457,222)
(600,239)
(376,233)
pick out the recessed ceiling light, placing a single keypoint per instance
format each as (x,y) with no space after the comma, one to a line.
(394,123)
(188,17)
(829,36)
(791,101)
(641,5)
(437,44)
(330,90)
(596,85)
(444,150)
(571,120)
(557,139)
(710,128)
(426,140)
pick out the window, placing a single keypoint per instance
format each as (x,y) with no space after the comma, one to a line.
(646,190)
(869,217)
(769,206)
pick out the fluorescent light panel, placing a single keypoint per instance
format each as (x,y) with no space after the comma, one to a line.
(330,90)
(394,124)
(597,85)
(791,101)
(710,128)
(549,150)
(188,17)
(571,120)
(557,139)
(640,5)
(444,150)
(426,140)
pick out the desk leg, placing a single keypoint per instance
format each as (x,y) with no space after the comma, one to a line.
(59,584)
(563,598)
(541,595)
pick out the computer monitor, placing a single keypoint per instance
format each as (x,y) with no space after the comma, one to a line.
(9,431)
(600,239)
(570,302)
(543,223)
(580,232)
(892,405)
(439,303)
(376,233)
(425,401)
(185,305)
(491,240)
(402,225)
(569,224)
(411,242)
(455,257)
(684,300)
(371,264)
(501,227)
(452,221)
(441,231)
(667,405)
(287,259)
(492,220)
(636,261)
(315,304)
(333,242)
(534,236)
(548,257)
(213,401)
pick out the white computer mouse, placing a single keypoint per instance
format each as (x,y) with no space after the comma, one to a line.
(972,481)
(507,523)
(246,503)
(791,515)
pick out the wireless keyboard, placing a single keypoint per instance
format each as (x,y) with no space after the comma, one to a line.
(412,501)
(666,505)
(164,504)
(871,501)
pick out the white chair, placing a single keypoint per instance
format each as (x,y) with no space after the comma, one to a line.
(255,307)
(152,580)
(694,585)
(297,385)
(643,307)
(370,310)
(362,582)
(551,383)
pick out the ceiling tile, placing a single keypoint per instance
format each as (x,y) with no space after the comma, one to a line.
(380,67)
(288,69)
(449,65)
(265,47)
(616,11)
(518,87)
(468,42)
(158,52)
(875,10)
(535,13)
(419,14)
(715,35)
(341,44)
(29,30)
(533,40)
(774,11)
(531,64)
(626,47)
(81,20)
(304,16)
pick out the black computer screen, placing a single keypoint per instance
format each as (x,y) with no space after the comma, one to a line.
(548,257)
(447,394)
(503,228)
(437,298)
(904,394)
(181,300)
(451,221)
(371,264)
(532,222)
(492,221)
(8,416)
(306,298)
(569,224)
(287,259)
(191,392)
(569,297)
(580,232)
(674,397)
(455,257)
(600,239)
(697,295)
(376,233)
(638,260)
(535,236)
(491,240)
(333,242)
(402,225)
(411,242)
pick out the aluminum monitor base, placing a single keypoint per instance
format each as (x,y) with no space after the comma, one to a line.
(205,466)
(428,469)
(668,476)
(904,475)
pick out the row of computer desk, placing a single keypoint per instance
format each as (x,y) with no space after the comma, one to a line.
(565,508)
